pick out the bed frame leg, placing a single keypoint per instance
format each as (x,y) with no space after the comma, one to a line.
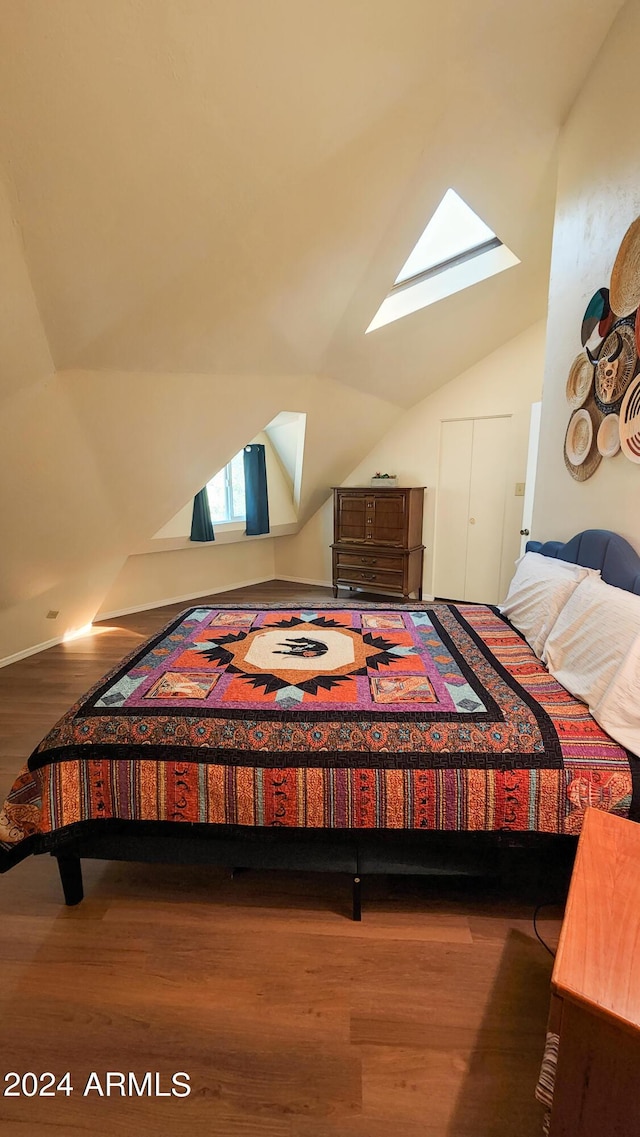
(356,897)
(70,870)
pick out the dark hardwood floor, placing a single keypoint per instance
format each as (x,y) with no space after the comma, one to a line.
(426,1020)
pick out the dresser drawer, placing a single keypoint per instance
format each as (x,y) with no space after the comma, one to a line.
(369,560)
(393,579)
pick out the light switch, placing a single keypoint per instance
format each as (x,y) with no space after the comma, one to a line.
(520,489)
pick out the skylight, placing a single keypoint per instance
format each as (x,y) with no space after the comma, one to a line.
(456,250)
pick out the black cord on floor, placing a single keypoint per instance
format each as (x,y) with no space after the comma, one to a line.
(535,928)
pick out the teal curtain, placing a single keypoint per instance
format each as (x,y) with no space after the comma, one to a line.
(255,490)
(201,527)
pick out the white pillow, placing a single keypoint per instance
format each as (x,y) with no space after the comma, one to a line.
(618,711)
(594,651)
(537,594)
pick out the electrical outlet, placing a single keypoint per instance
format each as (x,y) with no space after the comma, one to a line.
(51,615)
(520,489)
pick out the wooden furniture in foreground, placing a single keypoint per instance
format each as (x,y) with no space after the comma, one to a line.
(596,982)
(377,539)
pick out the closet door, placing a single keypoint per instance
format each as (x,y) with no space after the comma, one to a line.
(489,457)
(474,457)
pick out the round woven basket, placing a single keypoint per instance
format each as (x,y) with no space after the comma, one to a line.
(630,422)
(636,330)
(579,381)
(624,292)
(597,320)
(608,439)
(612,379)
(585,469)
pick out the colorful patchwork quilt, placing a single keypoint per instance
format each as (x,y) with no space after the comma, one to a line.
(435,717)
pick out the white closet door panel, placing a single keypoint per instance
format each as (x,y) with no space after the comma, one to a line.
(454,479)
(532,467)
(489,464)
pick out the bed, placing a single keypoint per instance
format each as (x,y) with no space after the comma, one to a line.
(347,736)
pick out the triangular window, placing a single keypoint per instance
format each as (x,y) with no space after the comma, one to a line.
(456,250)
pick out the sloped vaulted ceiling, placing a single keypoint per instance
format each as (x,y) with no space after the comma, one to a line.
(206,201)
(231,185)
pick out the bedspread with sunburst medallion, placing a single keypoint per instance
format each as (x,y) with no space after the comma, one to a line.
(422,716)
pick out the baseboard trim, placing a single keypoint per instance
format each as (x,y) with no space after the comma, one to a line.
(304,580)
(18,655)
(100,619)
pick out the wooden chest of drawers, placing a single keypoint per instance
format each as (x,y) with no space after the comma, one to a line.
(377,539)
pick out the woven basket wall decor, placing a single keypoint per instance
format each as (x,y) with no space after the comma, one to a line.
(579,381)
(581,442)
(597,320)
(616,365)
(624,292)
(630,422)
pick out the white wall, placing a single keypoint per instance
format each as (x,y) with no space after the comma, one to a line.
(505,382)
(149,580)
(57,554)
(598,197)
(24,350)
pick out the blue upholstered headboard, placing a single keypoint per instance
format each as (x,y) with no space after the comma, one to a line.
(599,549)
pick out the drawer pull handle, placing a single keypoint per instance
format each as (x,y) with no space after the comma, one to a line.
(369,575)
(368,560)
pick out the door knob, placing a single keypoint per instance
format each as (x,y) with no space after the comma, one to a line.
(472,520)
(524,532)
